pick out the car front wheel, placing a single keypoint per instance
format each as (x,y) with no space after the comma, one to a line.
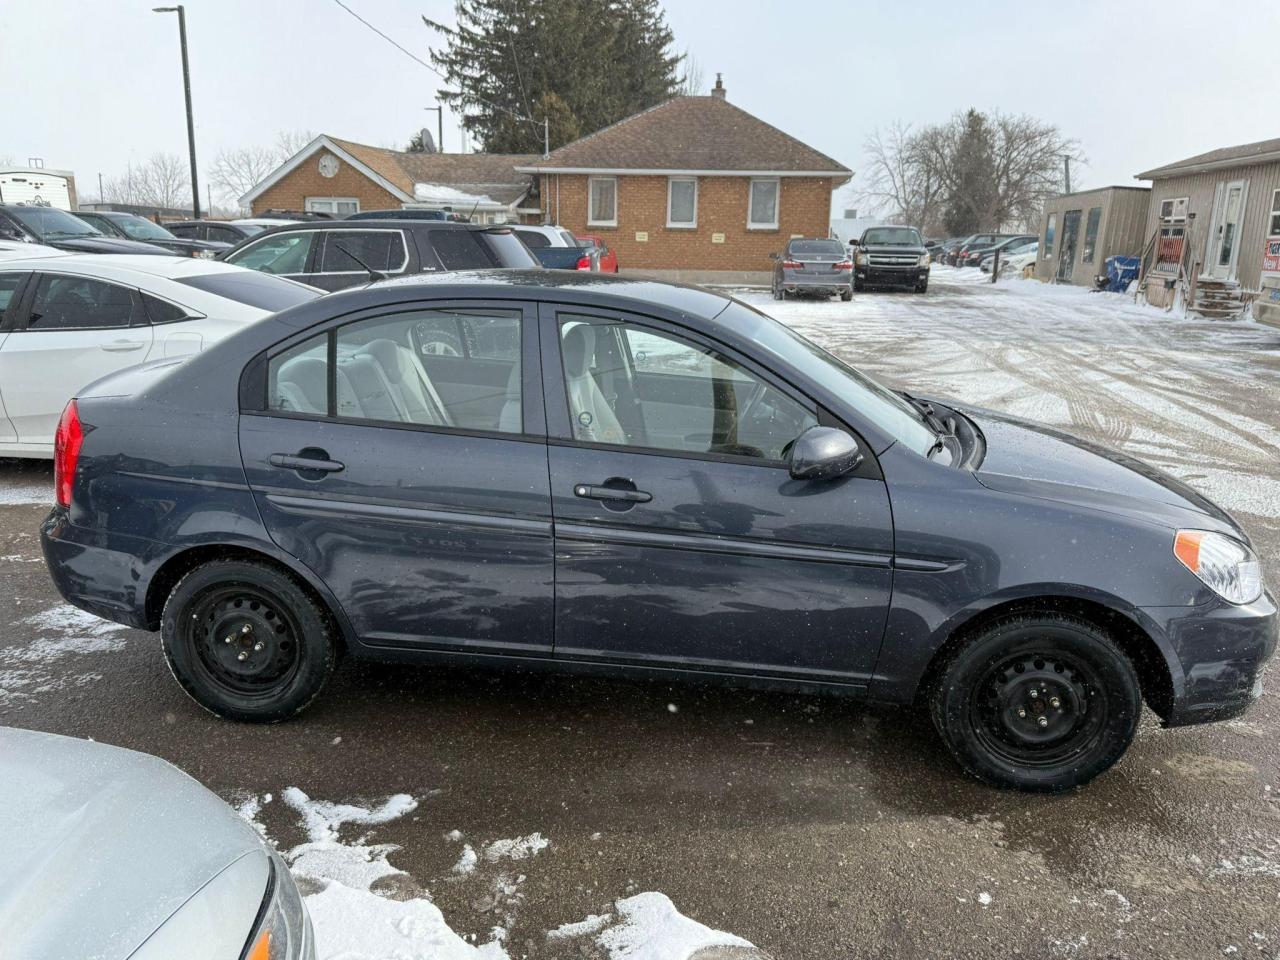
(1037,702)
(247,642)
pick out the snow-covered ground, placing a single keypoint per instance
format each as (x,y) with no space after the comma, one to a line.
(1164,389)
(363,908)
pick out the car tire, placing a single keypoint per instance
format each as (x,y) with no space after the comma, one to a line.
(846,295)
(922,287)
(858,286)
(247,641)
(1040,703)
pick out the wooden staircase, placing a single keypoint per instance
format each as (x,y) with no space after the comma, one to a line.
(1216,299)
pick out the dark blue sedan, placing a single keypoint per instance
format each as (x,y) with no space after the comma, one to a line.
(584,473)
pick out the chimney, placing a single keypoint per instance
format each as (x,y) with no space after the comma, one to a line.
(718,90)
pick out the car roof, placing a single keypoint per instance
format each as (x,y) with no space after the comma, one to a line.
(377,224)
(122,265)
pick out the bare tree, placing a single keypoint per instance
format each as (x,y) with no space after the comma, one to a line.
(289,142)
(235,172)
(975,172)
(691,81)
(161,180)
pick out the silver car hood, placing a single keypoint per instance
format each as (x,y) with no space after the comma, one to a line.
(100,845)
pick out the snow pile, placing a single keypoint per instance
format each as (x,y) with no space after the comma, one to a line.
(35,667)
(648,926)
(325,858)
(440,193)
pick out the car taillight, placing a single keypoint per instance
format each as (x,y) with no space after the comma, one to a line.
(66,453)
(792,265)
(584,263)
(844,265)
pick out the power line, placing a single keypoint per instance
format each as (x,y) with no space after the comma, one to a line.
(417,59)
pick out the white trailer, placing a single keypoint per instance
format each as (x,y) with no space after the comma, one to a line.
(36,185)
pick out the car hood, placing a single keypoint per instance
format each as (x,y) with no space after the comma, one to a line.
(1037,460)
(100,845)
(106,245)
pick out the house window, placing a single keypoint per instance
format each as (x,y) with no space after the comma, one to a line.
(1091,234)
(602,202)
(338,206)
(1174,209)
(1275,215)
(682,202)
(1050,231)
(763,212)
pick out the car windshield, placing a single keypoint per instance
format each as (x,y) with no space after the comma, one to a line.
(140,228)
(886,409)
(815,248)
(892,237)
(49,223)
(253,289)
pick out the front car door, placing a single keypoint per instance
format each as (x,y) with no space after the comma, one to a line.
(422,502)
(681,539)
(343,250)
(71,330)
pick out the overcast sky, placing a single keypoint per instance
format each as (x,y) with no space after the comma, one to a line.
(91,85)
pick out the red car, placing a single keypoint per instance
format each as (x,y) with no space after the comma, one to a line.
(608,257)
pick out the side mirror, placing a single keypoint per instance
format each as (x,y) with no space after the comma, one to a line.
(823,453)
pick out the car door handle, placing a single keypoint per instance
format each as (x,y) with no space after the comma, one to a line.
(294,462)
(121,346)
(590,491)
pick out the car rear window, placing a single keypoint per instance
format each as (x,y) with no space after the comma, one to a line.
(509,251)
(533,239)
(253,289)
(804,248)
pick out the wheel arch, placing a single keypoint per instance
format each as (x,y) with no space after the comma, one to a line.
(179,564)
(1159,673)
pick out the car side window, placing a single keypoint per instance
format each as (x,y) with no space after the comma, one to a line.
(67,302)
(460,250)
(220,234)
(631,385)
(277,254)
(381,250)
(9,284)
(184,231)
(162,311)
(437,368)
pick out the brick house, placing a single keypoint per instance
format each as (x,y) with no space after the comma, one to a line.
(694,188)
(341,177)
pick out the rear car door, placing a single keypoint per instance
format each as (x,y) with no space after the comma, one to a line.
(71,331)
(341,252)
(681,539)
(421,500)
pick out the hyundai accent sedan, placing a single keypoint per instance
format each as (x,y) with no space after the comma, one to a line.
(585,473)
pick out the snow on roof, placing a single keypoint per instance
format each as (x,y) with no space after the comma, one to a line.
(442,193)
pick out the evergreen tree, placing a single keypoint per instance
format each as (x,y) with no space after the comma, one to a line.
(972,195)
(583,65)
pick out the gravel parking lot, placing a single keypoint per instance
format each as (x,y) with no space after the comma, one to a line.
(490,810)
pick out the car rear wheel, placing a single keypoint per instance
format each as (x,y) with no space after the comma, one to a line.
(1040,703)
(247,642)
(846,295)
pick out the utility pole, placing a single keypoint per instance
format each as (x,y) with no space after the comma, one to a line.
(186,86)
(1066,170)
(546,137)
(439,125)
(101,198)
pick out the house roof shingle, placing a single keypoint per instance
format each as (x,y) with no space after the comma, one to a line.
(691,133)
(1264,151)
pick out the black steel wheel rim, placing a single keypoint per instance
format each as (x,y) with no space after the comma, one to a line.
(246,642)
(1039,709)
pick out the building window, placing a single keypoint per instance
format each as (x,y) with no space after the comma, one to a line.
(682,202)
(338,206)
(1174,209)
(1275,215)
(602,202)
(1091,234)
(763,208)
(1050,231)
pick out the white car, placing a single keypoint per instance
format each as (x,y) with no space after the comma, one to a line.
(68,320)
(21,250)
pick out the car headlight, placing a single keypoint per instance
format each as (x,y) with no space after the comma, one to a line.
(924,260)
(282,931)
(1228,567)
(860,259)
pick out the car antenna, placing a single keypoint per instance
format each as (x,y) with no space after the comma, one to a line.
(472,212)
(373,274)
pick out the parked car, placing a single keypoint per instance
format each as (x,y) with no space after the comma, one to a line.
(217,231)
(333,255)
(819,266)
(979,241)
(607,256)
(950,249)
(891,257)
(68,320)
(409,215)
(975,252)
(558,249)
(24,250)
(118,855)
(1009,251)
(542,469)
(130,226)
(933,247)
(63,231)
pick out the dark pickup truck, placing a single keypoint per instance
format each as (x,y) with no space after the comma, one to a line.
(890,257)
